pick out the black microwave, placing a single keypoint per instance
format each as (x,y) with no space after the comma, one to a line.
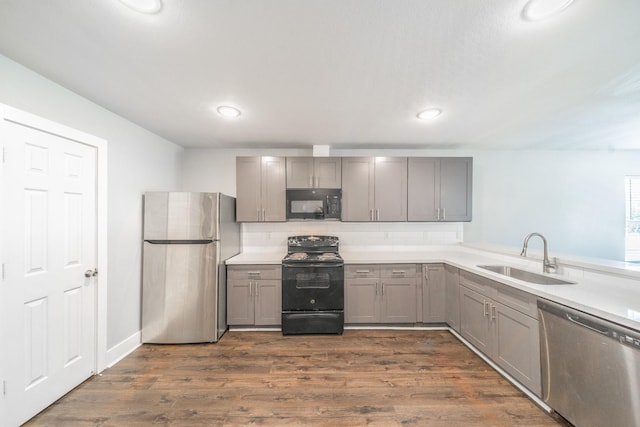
(314,204)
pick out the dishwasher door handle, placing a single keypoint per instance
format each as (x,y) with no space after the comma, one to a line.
(576,319)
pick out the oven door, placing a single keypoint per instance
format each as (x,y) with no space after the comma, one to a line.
(312,287)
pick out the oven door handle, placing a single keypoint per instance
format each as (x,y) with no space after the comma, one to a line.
(314,265)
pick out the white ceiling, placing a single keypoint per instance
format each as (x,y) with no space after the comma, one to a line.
(346,73)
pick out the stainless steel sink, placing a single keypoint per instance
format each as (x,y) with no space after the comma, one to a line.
(526,276)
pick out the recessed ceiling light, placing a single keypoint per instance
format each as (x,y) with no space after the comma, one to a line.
(144,6)
(428,114)
(537,10)
(227,111)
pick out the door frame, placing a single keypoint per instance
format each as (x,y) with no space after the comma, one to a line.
(10,114)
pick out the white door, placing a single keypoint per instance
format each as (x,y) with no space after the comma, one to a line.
(49,247)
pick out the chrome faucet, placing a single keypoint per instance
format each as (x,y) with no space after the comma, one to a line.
(546,264)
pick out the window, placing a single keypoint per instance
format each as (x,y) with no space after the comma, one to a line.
(632,223)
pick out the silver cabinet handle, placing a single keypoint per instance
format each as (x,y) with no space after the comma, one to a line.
(257,289)
(317,181)
(382,288)
(311,181)
(362,271)
(438,214)
(264,215)
(258,214)
(444,214)
(377,291)
(371,214)
(378,214)
(493,312)
(486,308)
(398,272)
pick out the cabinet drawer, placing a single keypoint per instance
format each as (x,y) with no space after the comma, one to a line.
(486,287)
(254,272)
(398,271)
(516,299)
(361,271)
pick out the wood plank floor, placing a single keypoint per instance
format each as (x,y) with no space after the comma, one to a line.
(364,377)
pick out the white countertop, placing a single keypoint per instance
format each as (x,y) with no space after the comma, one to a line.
(614,298)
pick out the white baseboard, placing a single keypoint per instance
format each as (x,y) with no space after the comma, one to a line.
(123,349)
(502,372)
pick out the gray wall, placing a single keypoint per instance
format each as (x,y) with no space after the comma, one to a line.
(138,161)
(575,198)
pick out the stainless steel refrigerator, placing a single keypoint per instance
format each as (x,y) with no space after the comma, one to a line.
(187,238)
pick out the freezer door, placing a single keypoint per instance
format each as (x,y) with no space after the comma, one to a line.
(180,216)
(179,293)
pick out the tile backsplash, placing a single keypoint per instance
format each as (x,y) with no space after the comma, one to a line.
(353,235)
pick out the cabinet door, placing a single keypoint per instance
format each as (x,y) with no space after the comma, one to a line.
(361,300)
(455,188)
(398,302)
(357,188)
(300,172)
(268,302)
(390,188)
(328,172)
(474,314)
(248,196)
(452,297)
(273,189)
(240,307)
(433,294)
(423,189)
(516,345)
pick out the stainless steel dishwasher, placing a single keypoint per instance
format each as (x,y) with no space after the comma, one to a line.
(590,367)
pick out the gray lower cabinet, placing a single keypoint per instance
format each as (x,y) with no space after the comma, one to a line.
(452,297)
(314,172)
(380,293)
(433,293)
(374,189)
(439,188)
(260,189)
(501,322)
(254,295)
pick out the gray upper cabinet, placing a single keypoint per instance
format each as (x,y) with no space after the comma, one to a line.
(439,189)
(314,172)
(260,189)
(374,189)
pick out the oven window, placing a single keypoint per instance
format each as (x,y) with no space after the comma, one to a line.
(313,280)
(306,206)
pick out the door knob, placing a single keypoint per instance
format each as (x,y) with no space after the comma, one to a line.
(91,273)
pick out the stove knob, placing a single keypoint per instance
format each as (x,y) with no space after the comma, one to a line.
(312,301)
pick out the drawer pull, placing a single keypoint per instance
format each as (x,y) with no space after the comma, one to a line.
(363,271)
(398,272)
